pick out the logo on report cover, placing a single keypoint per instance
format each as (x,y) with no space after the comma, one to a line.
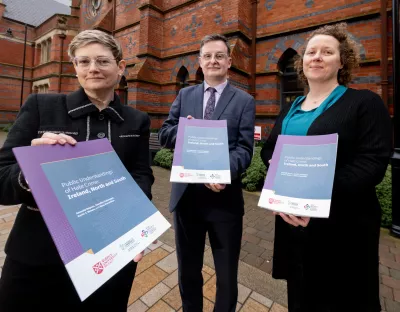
(275,201)
(183,175)
(98,268)
(307,206)
(145,233)
(215,176)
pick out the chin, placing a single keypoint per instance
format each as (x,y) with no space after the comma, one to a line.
(96,86)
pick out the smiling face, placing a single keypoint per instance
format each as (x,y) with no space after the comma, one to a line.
(215,69)
(321,60)
(92,77)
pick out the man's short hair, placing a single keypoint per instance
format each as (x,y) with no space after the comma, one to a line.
(215,37)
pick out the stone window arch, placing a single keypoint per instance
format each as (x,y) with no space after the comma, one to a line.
(48,52)
(182,79)
(199,75)
(291,87)
(43,52)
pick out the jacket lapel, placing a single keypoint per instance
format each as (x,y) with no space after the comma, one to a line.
(198,101)
(223,101)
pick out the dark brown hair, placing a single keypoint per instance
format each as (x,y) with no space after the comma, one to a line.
(215,37)
(348,48)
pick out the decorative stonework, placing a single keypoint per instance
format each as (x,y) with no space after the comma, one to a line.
(193,26)
(309,3)
(92,11)
(131,44)
(94,7)
(218,19)
(128,5)
(269,4)
(173,31)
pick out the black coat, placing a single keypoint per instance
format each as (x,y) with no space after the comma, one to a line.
(74,115)
(341,253)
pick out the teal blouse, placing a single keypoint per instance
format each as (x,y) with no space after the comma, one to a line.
(297,121)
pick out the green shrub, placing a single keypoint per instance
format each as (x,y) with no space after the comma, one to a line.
(7,127)
(259,143)
(163,158)
(254,176)
(384,193)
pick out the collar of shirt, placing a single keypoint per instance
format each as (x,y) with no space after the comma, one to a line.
(220,88)
(79,105)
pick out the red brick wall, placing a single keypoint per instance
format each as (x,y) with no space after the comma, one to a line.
(169,39)
(278,16)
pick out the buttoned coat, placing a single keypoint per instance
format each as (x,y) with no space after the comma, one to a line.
(74,115)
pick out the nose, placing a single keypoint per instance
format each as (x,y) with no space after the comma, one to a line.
(317,56)
(93,66)
(213,59)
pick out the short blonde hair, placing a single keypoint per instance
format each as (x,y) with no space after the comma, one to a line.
(348,48)
(95,36)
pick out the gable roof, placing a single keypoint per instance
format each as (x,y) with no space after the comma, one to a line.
(33,12)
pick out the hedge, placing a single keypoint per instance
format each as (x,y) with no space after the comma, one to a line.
(7,127)
(163,158)
(254,176)
(384,193)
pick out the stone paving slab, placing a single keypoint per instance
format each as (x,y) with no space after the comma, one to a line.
(166,293)
(156,278)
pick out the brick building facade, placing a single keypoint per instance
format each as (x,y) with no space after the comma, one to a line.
(161,39)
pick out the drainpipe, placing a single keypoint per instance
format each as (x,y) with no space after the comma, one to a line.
(114,16)
(62,37)
(253,47)
(395,161)
(23,68)
(384,52)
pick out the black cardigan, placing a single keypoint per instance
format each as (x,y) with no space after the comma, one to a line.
(364,128)
(73,114)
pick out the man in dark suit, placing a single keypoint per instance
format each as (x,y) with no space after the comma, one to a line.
(214,208)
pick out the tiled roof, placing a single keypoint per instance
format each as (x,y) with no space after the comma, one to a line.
(33,12)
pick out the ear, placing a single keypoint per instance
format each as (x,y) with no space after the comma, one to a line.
(121,67)
(229,62)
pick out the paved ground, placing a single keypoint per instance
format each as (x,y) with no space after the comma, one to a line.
(3,136)
(155,286)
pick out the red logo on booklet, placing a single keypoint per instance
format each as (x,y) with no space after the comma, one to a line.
(98,268)
(181,175)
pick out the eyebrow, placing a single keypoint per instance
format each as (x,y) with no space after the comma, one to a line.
(95,56)
(324,47)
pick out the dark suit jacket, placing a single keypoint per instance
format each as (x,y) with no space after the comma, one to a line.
(345,244)
(238,108)
(73,115)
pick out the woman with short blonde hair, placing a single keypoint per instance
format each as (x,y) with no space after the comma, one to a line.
(33,274)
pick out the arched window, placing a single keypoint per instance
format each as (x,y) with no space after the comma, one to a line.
(182,78)
(48,52)
(290,85)
(199,76)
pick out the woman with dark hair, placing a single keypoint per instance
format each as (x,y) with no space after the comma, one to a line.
(33,274)
(332,264)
